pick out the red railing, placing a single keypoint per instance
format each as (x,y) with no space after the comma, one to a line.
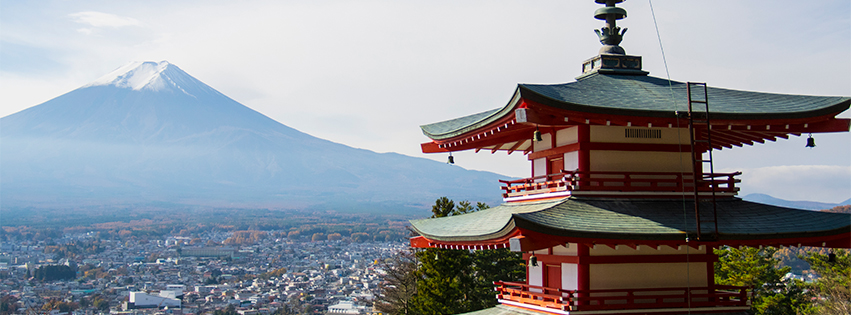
(588,300)
(622,182)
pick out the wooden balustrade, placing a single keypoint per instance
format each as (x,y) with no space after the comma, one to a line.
(621,182)
(588,300)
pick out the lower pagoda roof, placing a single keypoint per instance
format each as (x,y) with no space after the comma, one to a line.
(637,221)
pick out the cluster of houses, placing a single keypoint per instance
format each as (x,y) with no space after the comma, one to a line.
(170,276)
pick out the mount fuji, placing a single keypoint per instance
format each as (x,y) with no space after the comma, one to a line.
(149,134)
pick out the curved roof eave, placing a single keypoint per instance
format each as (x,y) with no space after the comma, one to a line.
(481,225)
(646,96)
(458,126)
(640,220)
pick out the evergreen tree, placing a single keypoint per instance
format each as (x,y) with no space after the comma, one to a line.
(445,279)
(443,207)
(459,281)
(758,269)
(54,272)
(831,293)
(494,265)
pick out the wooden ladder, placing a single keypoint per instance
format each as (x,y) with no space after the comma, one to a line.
(698,121)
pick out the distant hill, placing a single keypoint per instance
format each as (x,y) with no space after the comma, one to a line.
(808,205)
(151,134)
(839,209)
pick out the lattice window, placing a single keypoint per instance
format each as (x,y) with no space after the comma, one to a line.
(643,133)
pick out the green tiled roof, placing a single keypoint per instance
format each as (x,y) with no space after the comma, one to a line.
(635,219)
(493,222)
(647,96)
(651,96)
(463,124)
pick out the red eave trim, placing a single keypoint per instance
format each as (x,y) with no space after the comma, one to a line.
(501,242)
(505,130)
(532,240)
(618,259)
(840,240)
(431,147)
(729,132)
(577,117)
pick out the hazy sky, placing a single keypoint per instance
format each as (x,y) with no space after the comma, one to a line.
(368,73)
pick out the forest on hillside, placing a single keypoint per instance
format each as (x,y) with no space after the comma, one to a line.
(246,225)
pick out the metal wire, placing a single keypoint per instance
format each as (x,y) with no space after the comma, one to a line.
(680,146)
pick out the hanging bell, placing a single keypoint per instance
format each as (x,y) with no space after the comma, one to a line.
(811,142)
(451,159)
(533,260)
(538,136)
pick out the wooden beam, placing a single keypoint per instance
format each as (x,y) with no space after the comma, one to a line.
(748,135)
(830,125)
(734,137)
(432,147)
(515,133)
(517,145)
(727,139)
(496,148)
(554,151)
(766,136)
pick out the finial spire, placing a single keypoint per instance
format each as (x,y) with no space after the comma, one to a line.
(611,59)
(610,35)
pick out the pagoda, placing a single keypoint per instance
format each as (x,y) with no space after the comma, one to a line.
(623,209)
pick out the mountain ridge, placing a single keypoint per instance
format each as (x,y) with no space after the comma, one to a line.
(123,140)
(797,204)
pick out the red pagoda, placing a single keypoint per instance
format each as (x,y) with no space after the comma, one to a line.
(623,209)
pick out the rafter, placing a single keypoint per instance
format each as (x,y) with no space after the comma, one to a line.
(515,146)
(748,135)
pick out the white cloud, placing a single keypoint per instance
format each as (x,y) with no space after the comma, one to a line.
(100,19)
(823,183)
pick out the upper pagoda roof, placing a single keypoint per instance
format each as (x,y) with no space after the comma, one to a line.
(638,221)
(647,97)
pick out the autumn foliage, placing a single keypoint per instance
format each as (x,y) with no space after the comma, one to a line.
(245,238)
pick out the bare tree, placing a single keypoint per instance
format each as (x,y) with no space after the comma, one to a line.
(400,284)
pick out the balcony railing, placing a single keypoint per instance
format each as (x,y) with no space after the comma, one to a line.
(621,183)
(590,300)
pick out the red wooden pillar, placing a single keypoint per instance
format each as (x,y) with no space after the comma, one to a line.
(583,134)
(526,259)
(583,270)
(584,138)
(710,272)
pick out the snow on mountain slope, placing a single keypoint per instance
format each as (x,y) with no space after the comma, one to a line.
(135,75)
(151,132)
(143,102)
(148,75)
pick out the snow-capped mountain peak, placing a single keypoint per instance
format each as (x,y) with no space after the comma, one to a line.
(139,75)
(150,133)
